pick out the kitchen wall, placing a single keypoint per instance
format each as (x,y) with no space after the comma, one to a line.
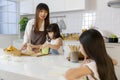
(6,40)
(108,18)
(74,19)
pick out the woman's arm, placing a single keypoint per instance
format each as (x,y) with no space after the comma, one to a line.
(75,73)
(27,32)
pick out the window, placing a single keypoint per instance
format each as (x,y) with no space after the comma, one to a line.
(88,20)
(8,17)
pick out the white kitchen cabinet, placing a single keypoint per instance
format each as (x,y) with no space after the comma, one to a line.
(54,5)
(57,5)
(26,7)
(71,5)
(36,2)
(113,49)
(29,6)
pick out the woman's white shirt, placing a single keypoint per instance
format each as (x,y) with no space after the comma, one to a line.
(28,29)
(92,66)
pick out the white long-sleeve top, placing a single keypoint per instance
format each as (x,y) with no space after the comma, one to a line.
(27,34)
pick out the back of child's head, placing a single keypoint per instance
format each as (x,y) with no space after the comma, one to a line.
(53,27)
(94,46)
(93,43)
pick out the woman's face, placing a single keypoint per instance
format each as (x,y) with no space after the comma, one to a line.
(43,14)
(83,51)
(51,35)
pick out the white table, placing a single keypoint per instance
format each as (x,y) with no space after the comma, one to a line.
(49,67)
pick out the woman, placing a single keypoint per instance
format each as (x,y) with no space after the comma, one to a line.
(35,32)
(97,64)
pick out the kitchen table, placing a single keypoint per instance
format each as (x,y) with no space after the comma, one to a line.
(49,67)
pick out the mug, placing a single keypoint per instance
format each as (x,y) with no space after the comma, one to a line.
(74,56)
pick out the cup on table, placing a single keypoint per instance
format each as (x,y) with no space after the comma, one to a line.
(74,56)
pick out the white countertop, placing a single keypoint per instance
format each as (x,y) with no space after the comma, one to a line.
(49,67)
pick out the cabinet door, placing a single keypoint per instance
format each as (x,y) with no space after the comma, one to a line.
(54,5)
(26,7)
(113,49)
(74,5)
(36,2)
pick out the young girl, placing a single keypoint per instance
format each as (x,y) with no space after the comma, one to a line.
(99,66)
(54,40)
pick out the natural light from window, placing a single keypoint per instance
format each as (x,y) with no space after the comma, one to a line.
(8,17)
(88,20)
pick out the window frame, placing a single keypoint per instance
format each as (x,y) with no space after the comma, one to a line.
(8,22)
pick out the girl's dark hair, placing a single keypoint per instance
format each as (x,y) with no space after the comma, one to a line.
(94,46)
(41,6)
(55,29)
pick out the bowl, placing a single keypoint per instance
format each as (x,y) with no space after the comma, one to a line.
(113,40)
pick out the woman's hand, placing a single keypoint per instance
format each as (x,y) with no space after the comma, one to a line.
(24,46)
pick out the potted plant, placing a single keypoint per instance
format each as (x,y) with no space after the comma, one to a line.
(23,22)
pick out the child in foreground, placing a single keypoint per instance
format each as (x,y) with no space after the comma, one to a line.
(97,64)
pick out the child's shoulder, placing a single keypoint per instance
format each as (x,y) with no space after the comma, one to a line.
(90,62)
(59,38)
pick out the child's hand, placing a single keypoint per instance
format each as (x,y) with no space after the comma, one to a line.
(44,45)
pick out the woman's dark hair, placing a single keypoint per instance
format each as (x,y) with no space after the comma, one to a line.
(55,29)
(41,6)
(94,46)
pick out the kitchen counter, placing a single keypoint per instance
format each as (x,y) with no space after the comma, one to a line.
(49,67)
(31,66)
